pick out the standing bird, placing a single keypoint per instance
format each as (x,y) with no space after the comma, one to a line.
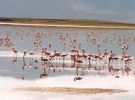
(15,52)
(63,56)
(24,64)
(89,58)
(57,55)
(31,59)
(15,56)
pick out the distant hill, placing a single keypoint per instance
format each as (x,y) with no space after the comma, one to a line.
(5,19)
(81,22)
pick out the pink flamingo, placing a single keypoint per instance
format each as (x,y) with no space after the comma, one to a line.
(15,52)
(127,60)
(97,66)
(89,58)
(115,69)
(57,55)
(24,64)
(73,57)
(1,41)
(105,55)
(84,56)
(63,56)
(31,59)
(43,51)
(15,56)
(47,54)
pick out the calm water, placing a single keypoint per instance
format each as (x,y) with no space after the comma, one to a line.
(88,39)
(107,39)
(16,70)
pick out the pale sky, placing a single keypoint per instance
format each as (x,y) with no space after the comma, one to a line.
(114,10)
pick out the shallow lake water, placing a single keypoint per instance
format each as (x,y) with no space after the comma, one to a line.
(61,40)
(88,39)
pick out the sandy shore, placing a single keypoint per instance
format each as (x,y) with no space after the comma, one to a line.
(68,25)
(66,90)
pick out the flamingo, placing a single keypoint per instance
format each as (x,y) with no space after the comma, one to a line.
(110,61)
(84,56)
(115,69)
(50,47)
(79,64)
(97,58)
(49,56)
(127,60)
(89,58)
(15,51)
(125,49)
(52,58)
(24,54)
(57,55)
(1,41)
(73,57)
(24,64)
(38,40)
(46,53)
(43,51)
(31,59)
(15,56)
(36,66)
(98,48)
(105,59)
(63,56)
(45,68)
(79,68)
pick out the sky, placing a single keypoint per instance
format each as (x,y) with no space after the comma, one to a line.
(113,10)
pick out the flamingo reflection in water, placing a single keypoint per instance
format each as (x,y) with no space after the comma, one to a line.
(79,70)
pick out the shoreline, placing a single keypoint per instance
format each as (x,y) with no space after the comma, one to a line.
(67,25)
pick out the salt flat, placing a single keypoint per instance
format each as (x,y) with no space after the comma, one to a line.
(8,85)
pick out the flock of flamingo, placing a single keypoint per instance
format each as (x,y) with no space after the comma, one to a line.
(79,59)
